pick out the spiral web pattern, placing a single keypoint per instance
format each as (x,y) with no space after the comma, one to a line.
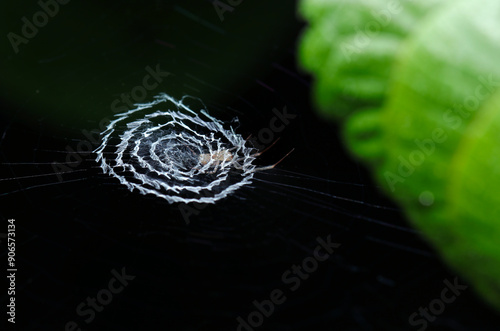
(166,149)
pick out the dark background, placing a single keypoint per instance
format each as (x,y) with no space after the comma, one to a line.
(199,276)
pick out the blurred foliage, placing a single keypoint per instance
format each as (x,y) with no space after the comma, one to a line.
(415,85)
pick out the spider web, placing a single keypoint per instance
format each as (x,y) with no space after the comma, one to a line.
(177,156)
(201,269)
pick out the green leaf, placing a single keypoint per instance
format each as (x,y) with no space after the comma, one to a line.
(425,117)
(350,46)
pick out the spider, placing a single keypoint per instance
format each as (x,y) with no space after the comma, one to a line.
(225,155)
